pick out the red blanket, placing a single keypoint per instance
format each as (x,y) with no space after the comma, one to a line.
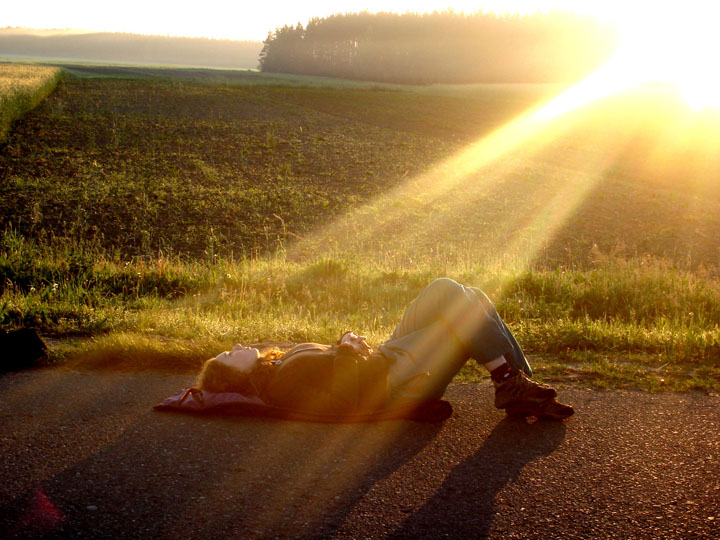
(198,401)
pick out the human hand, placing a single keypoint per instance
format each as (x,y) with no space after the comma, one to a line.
(358,343)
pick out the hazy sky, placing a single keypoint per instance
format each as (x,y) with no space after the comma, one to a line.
(239,19)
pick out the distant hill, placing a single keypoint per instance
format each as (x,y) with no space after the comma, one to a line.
(130,48)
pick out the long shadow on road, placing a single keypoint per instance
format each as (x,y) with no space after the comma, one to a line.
(171,476)
(85,457)
(464,506)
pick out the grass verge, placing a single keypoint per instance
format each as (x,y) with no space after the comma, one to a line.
(621,324)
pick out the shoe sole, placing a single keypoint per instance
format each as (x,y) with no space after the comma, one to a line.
(549,410)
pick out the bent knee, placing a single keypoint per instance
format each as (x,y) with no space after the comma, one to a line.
(445,286)
(452,291)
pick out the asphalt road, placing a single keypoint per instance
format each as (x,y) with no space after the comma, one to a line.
(83,455)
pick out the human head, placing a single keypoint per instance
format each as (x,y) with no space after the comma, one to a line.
(235,370)
(241,358)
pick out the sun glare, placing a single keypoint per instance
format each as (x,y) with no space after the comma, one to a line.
(670,46)
(675,45)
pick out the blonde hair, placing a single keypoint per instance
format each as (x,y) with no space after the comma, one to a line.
(219,377)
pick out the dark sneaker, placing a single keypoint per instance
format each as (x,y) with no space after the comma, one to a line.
(518,388)
(548,410)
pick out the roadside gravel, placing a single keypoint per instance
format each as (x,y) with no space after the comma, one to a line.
(83,455)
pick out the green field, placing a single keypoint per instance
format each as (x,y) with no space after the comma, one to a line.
(152,218)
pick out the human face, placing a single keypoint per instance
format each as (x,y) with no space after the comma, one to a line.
(241,358)
(356,342)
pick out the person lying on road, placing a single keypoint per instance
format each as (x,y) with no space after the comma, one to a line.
(445,326)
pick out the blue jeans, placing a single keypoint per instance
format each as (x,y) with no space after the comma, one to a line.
(445,326)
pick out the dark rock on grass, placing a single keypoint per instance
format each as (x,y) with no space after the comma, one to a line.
(21,349)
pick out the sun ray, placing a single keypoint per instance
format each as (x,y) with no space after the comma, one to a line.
(431,201)
(441,200)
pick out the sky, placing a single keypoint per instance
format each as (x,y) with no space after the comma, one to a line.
(238,19)
(666,40)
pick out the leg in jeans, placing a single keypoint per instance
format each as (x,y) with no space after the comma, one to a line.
(449,323)
(470,315)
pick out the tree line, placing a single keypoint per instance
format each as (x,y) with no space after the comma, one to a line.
(442,47)
(123,47)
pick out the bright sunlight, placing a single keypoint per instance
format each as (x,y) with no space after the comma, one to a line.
(673,45)
(646,55)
